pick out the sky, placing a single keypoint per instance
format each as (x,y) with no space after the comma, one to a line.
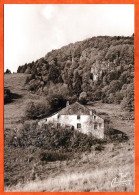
(32,30)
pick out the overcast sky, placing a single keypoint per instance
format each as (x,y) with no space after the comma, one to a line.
(30,31)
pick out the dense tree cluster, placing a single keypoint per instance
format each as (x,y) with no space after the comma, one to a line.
(99,68)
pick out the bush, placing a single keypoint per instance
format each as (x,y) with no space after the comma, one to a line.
(128,100)
(27,79)
(53,156)
(37,110)
(99,148)
(7,96)
(83,98)
(56,102)
(57,96)
(7,71)
(34,85)
(55,140)
(118,97)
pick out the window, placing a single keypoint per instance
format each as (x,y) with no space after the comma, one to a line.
(72,128)
(58,125)
(58,116)
(94,117)
(78,125)
(99,125)
(95,126)
(78,116)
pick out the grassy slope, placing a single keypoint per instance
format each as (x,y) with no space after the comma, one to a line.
(91,172)
(14,112)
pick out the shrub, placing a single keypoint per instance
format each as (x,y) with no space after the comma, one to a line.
(27,79)
(37,110)
(58,140)
(128,100)
(7,96)
(56,102)
(118,97)
(83,98)
(99,148)
(57,95)
(7,71)
(51,156)
(34,85)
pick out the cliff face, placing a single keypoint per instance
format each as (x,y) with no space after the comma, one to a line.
(87,66)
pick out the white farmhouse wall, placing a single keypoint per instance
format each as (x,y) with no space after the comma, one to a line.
(88,123)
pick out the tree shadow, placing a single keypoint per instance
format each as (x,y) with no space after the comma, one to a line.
(11,97)
(15,96)
(117,135)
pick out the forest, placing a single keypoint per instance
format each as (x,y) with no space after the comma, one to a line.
(96,69)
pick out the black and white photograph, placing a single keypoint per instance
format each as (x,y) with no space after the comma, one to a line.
(69,98)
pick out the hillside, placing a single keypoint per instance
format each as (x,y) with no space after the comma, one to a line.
(14,111)
(101,68)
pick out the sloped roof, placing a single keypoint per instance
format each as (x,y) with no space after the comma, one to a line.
(75,108)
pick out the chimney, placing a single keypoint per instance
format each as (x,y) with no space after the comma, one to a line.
(91,113)
(67,104)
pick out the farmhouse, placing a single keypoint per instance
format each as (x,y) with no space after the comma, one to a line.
(79,117)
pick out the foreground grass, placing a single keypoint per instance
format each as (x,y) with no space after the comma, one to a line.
(93,171)
(97,180)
